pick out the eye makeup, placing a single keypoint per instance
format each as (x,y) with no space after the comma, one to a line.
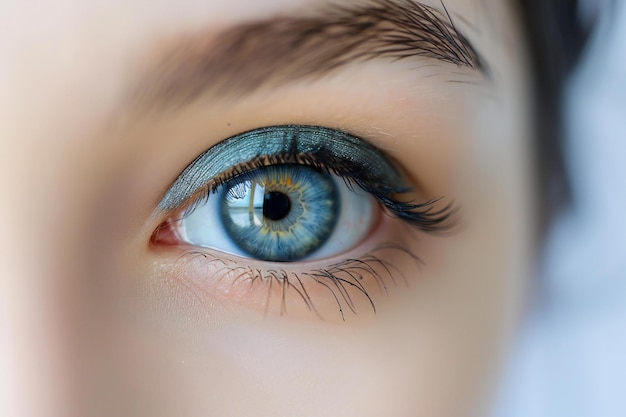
(329,150)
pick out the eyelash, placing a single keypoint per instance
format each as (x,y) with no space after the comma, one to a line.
(343,279)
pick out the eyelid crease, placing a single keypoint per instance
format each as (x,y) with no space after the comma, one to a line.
(307,145)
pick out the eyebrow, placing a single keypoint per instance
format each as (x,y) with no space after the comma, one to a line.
(279,50)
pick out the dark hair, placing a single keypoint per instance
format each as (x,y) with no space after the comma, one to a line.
(556,39)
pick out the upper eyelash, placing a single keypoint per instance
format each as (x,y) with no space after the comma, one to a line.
(421,215)
(368,169)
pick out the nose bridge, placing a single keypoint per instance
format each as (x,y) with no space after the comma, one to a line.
(55,86)
(40,206)
(34,378)
(32,327)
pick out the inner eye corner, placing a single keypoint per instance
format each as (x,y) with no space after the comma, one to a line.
(165,234)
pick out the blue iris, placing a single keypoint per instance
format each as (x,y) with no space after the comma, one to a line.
(280,213)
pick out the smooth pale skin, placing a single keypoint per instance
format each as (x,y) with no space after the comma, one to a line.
(96,322)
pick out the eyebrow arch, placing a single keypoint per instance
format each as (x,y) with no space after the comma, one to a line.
(271,52)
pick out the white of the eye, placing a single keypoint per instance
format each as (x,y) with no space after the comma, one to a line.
(203,226)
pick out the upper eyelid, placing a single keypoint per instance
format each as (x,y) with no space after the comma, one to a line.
(288,140)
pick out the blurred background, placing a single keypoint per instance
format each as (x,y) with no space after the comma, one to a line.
(571,355)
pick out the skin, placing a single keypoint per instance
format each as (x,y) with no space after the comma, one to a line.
(97,321)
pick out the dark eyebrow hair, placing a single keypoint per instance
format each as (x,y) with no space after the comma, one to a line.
(246,57)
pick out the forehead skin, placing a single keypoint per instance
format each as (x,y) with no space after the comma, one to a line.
(95,323)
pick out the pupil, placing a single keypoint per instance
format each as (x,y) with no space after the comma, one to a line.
(276,206)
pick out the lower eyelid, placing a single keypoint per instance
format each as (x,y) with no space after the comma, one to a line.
(335,289)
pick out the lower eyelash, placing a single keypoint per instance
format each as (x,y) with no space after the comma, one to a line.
(344,280)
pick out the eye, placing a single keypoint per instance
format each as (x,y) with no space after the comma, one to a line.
(280,213)
(284,213)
